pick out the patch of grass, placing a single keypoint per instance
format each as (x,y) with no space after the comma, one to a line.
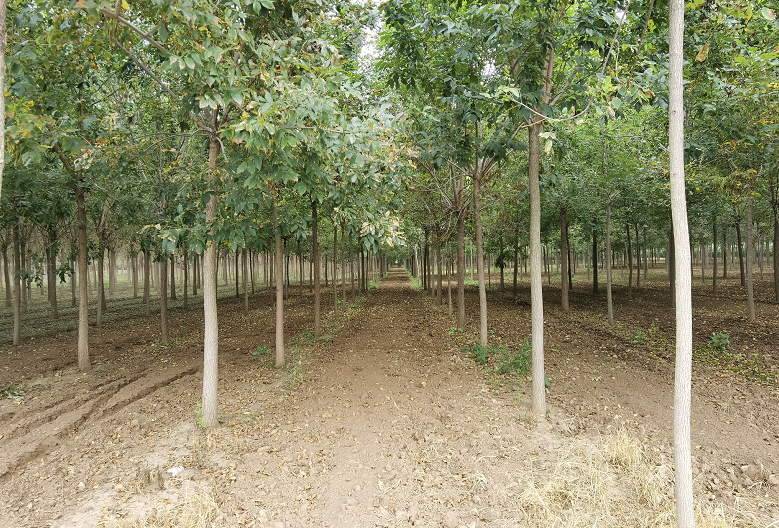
(416,282)
(639,338)
(502,359)
(13,392)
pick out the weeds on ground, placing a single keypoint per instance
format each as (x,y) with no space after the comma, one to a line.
(197,509)
(502,360)
(13,392)
(717,352)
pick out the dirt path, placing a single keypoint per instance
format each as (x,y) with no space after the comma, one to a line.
(393,429)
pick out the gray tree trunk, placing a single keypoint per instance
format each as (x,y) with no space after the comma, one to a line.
(685,508)
(480,265)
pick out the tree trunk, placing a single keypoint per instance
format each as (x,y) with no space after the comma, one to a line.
(83,302)
(147,281)
(23,265)
(351,266)
(461,269)
(111,272)
(279,289)
(564,250)
(775,251)
(638,259)
(750,246)
(164,299)
(480,264)
(18,288)
(244,274)
(629,256)
(186,278)
(594,263)
(335,267)
(516,262)
(714,257)
(609,304)
(173,277)
(7,278)
(440,291)
(210,411)
(134,264)
(740,253)
(317,270)
(671,265)
(100,285)
(52,275)
(538,401)
(685,508)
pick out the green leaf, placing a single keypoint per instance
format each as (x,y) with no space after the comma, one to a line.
(768,14)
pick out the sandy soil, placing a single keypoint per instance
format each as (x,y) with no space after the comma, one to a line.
(384,421)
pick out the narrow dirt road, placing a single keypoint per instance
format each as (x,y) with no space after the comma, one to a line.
(393,428)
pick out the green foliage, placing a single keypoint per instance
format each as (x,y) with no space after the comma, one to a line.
(502,359)
(719,342)
(13,392)
(199,414)
(261,351)
(639,338)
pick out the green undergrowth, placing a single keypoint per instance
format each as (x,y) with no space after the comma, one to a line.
(503,360)
(12,392)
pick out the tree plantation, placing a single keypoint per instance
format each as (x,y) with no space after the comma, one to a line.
(302,263)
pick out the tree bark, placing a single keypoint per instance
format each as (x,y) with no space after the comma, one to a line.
(440,292)
(685,508)
(740,252)
(461,269)
(594,263)
(83,303)
(630,262)
(7,278)
(564,250)
(609,304)
(209,416)
(17,287)
(173,277)
(750,260)
(279,289)
(335,266)
(317,270)
(100,285)
(245,273)
(147,281)
(164,299)
(516,262)
(538,401)
(480,264)
(52,273)
(186,278)
(714,256)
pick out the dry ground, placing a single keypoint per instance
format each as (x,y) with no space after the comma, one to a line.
(387,421)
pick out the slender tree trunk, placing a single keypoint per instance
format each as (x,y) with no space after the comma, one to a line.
(724,257)
(629,256)
(74,266)
(23,265)
(609,304)
(251,269)
(564,250)
(7,278)
(279,289)
(17,288)
(147,281)
(685,508)
(210,410)
(538,401)
(351,266)
(671,264)
(335,267)
(594,263)
(134,264)
(317,269)
(638,258)
(173,277)
(100,285)
(164,300)
(480,263)
(83,304)
(244,272)
(111,272)
(714,257)
(461,269)
(750,260)
(516,262)
(52,261)
(740,253)
(186,278)
(440,292)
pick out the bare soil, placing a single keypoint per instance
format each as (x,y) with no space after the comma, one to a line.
(385,420)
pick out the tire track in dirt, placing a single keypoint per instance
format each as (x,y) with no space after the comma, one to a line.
(117,394)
